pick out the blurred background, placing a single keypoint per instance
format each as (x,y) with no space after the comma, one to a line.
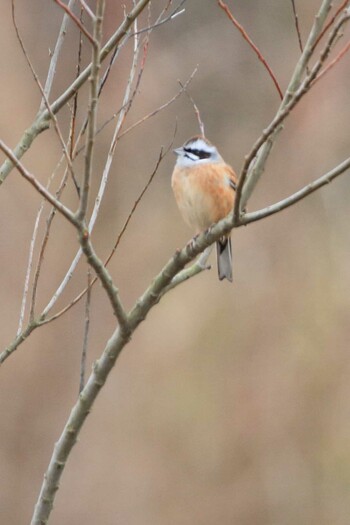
(231,403)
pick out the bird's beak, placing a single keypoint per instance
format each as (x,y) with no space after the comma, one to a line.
(177,151)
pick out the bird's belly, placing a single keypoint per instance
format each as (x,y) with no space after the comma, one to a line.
(196,207)
(202,197)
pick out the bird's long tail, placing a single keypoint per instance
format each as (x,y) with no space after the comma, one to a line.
(224,258)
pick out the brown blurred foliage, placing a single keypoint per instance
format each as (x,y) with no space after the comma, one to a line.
(231,403)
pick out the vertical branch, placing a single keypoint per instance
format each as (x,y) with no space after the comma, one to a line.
(92,112)
(86,331)
(55,55)
(75,105)
(29,269)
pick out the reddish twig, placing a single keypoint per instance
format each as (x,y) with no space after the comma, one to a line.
(135,205)
(252,45)
(331,22)
(75,20)
(333,62)
(296,21)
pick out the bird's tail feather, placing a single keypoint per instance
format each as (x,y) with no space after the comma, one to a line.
(224,258)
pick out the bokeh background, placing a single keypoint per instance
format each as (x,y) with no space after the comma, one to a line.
(231,403)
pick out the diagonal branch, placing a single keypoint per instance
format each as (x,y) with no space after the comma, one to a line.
(75,20)
(296,22)
(66,212)
(297,196)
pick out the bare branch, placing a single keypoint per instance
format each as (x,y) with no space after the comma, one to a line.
(87,9)
(43,247)
(55,55)
(86,332)
(187,273)
(20,338)
(331,21)
(105,278)
(73,426)
(92,111)
(75,107)
(296,21)
(296,197)
(196,110)
(29,269)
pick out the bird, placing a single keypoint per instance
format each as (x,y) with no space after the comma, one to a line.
(204,187)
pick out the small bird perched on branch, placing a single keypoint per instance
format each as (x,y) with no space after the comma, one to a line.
(204,188)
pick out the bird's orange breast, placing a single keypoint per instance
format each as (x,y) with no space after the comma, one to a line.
(203,193)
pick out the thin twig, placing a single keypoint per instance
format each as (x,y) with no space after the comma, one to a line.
(19,339)
(92,111)
(339,56)
(160,108)
(296,21)
(75,20)
(331,21)
(252,45)
(44,243)
(196,110)
(87,9)
(55,55)
(177,11)
(29,269)
(75,106)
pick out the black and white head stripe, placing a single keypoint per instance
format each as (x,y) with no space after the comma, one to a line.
(197,150)
(193,153)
